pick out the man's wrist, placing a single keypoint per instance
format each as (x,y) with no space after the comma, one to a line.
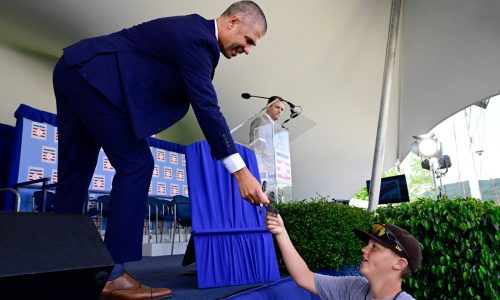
(241,173)
(233,163)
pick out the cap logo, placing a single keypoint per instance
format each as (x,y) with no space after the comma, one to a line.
(381,231)
(396,239)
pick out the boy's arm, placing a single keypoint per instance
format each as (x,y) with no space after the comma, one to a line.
(295,265)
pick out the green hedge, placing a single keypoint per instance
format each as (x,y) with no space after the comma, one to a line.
(460,245)
(322,232)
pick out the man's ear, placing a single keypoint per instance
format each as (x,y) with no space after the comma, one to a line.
(233,21)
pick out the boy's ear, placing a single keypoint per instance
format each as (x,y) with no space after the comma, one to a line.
(401,263)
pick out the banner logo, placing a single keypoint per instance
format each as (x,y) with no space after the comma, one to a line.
(49,155)
(99,182)
(174,189)
(283,167)
(106,164)
(35,173)
(161,155)
(53,178)
(167,172)
(174,159)
(161,188)
(179,175)
(38,131)
(156,171)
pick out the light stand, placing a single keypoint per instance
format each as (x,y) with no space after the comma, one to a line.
(429,147)
(433,169)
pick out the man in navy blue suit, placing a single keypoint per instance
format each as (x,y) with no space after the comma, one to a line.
(113,91)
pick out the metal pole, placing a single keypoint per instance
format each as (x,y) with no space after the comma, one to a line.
(434,166)
(475,189)
(390,57)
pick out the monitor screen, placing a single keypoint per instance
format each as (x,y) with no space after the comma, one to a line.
(393,189)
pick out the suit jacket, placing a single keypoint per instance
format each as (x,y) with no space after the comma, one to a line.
(259,121)
(154,71)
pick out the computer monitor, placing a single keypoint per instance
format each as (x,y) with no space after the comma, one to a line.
(393,189)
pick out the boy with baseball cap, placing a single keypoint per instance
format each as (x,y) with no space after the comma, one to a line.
(391,255)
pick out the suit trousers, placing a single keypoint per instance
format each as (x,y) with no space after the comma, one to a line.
(87,120)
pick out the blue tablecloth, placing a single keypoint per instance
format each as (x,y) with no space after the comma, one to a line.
(232,245)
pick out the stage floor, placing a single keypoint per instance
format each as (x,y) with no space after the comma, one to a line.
(167,271)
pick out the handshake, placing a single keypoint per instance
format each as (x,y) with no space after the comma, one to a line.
(269,208)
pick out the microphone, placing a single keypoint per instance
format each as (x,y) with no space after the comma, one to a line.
(294,114)
(248,96)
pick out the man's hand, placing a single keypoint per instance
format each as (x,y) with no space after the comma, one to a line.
(275,224)
(250,188)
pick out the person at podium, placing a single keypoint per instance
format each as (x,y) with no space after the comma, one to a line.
(263,137)
(274,110)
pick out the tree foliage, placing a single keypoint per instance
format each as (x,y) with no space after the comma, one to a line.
(460,242)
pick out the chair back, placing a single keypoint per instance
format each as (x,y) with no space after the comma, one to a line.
(164,207)
(49,201)
(182,210)
(155,204)
(104,204)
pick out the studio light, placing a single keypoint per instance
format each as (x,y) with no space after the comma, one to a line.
(427,145)
(430,150)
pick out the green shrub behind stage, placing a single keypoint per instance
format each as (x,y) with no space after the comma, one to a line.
(460,246)
(322,232)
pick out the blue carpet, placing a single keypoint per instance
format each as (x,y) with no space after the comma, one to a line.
(167,271)
(286,289)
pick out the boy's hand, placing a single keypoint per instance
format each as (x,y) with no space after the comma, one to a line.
(274,223)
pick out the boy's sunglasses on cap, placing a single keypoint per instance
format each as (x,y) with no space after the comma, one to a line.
(381,231)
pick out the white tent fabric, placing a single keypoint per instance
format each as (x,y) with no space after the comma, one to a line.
(325,55)
(450,60)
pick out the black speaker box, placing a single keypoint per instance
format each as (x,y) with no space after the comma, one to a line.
(51,256)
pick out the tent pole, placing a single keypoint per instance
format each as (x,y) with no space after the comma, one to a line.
(390,57)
